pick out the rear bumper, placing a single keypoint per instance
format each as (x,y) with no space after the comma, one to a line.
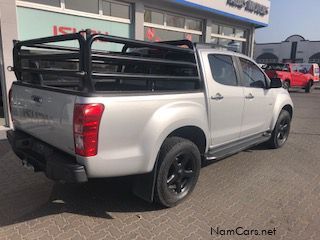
(56,164)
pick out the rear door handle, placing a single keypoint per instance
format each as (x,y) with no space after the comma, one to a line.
(250,96)
(217,97)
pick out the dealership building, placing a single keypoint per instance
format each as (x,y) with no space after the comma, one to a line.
(295,49)
(222,22)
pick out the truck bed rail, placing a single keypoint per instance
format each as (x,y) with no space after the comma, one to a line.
(139,65)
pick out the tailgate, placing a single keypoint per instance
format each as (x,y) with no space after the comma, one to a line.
(46,115)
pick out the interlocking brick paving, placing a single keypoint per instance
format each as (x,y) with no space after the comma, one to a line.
(256,189)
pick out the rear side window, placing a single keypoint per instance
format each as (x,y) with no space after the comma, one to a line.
(252,75)
(222,69)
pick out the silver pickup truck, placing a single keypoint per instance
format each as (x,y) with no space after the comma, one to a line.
(155,111)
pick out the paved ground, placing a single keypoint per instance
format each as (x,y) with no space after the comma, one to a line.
(257,189)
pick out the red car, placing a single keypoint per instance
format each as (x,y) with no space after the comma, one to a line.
(294,74)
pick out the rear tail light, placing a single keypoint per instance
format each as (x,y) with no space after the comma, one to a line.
(86,122)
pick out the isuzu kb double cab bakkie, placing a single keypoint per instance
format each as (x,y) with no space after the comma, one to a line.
(155,111)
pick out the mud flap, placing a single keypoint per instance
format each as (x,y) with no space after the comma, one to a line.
(144,184)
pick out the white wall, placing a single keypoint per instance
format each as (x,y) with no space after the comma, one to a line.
(8,27)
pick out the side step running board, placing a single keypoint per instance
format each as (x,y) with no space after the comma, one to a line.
(235,147)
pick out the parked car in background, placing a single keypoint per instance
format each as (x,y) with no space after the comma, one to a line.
(294,75)
(312,68)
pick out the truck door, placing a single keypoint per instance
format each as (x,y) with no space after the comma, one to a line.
(226,98)
(259,100)
(297,76)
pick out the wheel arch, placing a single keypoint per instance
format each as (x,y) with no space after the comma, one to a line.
(289,109)
(194,134)
(283,102)
(144,185)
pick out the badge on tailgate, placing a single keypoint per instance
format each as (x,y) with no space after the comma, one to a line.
(37,99)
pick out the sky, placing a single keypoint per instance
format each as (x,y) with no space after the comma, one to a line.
(289,17)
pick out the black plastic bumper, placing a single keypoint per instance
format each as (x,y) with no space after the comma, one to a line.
(56,164)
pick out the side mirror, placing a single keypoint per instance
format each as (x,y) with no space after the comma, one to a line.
(275,83)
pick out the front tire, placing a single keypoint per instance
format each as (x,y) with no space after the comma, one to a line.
(281,131)
(178,171)
(308,88)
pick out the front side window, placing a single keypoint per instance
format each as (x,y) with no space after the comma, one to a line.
(222,69)
(277,67)
(252,75)
(295,68)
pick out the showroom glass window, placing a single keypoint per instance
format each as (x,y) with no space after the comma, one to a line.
(91,6)
(175,21)
(231,37)
(162,26)
(119,10)
(154,17)
(54,3)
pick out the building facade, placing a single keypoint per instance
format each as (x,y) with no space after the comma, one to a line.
(295,49)
(223,22)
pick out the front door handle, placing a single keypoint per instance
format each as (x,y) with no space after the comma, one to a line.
(217,97)
(250,96)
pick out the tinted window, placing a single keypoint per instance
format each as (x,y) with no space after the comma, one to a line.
(252,75)
(295,68)
(222,69)
(277,67)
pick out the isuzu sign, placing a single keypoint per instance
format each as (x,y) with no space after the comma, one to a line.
(251,11)
(249,6)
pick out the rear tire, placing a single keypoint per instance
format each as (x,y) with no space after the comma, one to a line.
(178,171)
(281,131)
(308,88)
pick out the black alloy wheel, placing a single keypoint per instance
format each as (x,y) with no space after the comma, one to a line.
(181,173)
(308,88)
(179,166)
(281,131)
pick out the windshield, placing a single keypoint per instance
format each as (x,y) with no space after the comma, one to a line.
(278,67)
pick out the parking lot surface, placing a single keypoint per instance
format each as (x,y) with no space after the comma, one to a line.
(258,189)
